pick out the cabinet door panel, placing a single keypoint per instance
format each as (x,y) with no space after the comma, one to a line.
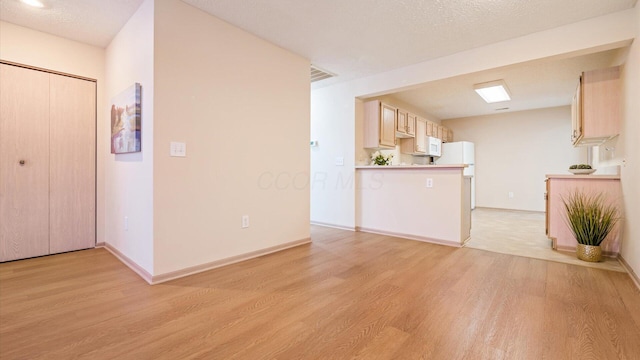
(411,125)
(388,126)
(401,122)
(24,189)
(421,133)
(72,175)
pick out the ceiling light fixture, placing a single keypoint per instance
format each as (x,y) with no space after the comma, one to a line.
(34,3)
(493,91)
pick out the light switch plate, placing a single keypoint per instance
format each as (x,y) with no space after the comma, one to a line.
(340,161)
(178,149)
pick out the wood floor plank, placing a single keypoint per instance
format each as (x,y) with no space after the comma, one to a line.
(347,295)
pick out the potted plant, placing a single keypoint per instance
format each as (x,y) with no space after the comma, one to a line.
(379,159)
(591,218)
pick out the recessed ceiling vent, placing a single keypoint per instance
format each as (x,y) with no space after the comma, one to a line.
(318,74)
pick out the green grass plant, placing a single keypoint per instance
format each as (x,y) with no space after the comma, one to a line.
(590,217)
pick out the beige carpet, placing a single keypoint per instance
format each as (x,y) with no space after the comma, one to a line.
(522,233)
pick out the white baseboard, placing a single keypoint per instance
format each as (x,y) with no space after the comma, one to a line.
(157,279)
(341,227)
(411,237)
(129,263)
(632,273)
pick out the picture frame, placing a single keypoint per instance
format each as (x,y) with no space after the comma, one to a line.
(126,121)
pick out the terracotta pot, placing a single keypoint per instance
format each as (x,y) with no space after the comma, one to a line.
(589,253)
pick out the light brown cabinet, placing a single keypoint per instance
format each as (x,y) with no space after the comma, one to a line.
(596,107)
(418,144)
(430,128)
(438,131)
(47,163)
(411,124)
(434,130)
(379,125)
(560,187)
(405,124)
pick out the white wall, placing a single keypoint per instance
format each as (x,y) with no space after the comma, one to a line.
(514,151)
(29,47)
(624,151)
(630,172)
(129,177)
(333,107)
(333,110)
(241,105)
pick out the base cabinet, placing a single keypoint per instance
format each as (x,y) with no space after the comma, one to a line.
(562,186)
(47,163)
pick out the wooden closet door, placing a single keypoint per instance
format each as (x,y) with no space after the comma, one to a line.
(24,189)
(73,159)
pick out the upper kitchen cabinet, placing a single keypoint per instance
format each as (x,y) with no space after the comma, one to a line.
(449,136)
(595,109)
(379,125)
(430,127)
(416,145)
(405,124)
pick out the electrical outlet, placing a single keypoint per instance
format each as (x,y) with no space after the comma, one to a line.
(429,182)
(340,161)
(126,223)
(245,221)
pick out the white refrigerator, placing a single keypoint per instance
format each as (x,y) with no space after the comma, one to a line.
(461,152)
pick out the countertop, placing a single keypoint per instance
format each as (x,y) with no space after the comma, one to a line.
(395,167)
(586,177)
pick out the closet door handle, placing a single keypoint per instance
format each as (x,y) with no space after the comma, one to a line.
(21,162)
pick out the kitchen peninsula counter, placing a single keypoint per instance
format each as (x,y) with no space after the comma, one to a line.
(429,203)
(396,167)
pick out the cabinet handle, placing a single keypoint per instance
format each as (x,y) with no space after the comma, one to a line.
(21,162)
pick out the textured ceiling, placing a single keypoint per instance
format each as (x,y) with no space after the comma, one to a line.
(356,38)
(539,84)
(93,22)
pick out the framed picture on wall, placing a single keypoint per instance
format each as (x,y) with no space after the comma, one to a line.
(126,121)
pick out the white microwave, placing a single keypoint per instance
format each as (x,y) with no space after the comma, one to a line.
(434,146)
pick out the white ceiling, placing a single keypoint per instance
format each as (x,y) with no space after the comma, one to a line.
(534,85)
(356,38)
(93,22)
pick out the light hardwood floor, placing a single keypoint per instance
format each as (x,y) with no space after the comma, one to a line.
(348,295)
